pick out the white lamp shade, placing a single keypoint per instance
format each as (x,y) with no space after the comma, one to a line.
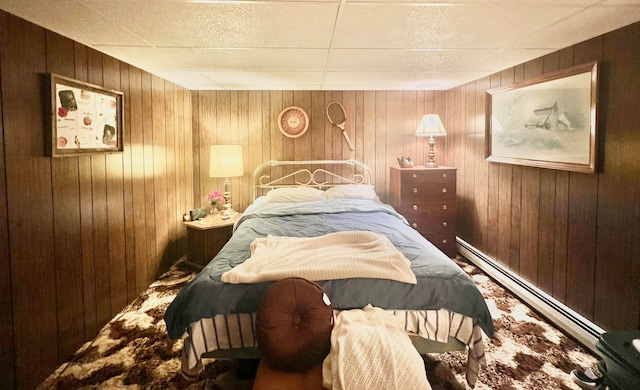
(226,161)
(431,125)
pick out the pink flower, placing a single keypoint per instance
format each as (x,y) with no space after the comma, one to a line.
(214,197)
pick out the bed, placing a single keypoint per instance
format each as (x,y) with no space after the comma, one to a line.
(313,200)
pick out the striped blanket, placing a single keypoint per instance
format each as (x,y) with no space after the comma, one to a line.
(332,256)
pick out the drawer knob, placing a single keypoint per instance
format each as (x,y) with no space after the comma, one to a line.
(444,206)
(444,174)
(444,190)
(444,241)
(414,175)
(444,223)
(415,225)
(415,206)
(415,190)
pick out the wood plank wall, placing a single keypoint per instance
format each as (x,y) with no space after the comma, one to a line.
(574,235)
(380,124)
(82,236)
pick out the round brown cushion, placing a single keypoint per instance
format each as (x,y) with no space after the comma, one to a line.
(293,325)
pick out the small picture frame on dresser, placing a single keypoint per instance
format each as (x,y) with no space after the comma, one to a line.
(426,197)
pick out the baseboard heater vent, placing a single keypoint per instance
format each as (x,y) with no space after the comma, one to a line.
(580,328)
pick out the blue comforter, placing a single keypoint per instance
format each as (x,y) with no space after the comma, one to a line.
(441,282)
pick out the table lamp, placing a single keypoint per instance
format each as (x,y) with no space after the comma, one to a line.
(431,126)
(226,161)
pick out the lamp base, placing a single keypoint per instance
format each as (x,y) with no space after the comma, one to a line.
(431,164)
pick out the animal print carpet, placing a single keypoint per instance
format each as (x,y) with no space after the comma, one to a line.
(133,350)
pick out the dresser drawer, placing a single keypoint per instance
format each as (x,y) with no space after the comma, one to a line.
(415,191)
(429,208)
(415,177)
(429,226)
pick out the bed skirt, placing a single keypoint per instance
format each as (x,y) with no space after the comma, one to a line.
(233,336)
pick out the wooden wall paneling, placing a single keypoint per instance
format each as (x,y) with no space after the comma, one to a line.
(505,172)
(136,130)
(160,174)
(66,220)
(560,236)
(173,212)
(7,349)
(86,217)
(529,226)
(516,197)
(466,213)
(581,247)
(493,195)
(190,152)
(618,230)
(379,168)
(369,132)
(255,132)
(267,122)
(127,177)
(409,125)
(30,206)
(100,231)
(317,123)
(394,130)
(546,230)
(149,173)
(565,61)
(197,146)
(358,124)
(581,238)
(241,125)
(481,179)
(115,206)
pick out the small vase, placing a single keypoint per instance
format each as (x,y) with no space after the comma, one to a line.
(213,210)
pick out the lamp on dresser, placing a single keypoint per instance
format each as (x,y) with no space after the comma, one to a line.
(226,161)
(431,126)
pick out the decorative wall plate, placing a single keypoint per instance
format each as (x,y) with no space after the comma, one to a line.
(293,122)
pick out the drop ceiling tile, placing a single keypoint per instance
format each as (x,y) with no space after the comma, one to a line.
(266,59)
(399,60)
(265,80)
(441,25)
(599,19)
(156,58)
(505,58)
(71,19)
(183,77)
(224,24)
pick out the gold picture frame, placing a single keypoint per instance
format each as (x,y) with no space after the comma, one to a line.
(546,122)
(82,118)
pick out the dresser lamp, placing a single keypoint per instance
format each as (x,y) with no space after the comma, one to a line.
(226,161)
(431,126)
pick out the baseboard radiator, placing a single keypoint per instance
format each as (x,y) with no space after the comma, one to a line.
(580,328)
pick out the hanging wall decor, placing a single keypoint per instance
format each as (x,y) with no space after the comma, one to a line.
(82,118)
(546,122)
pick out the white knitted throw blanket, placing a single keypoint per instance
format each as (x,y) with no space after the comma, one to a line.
(370,350)
(332,256)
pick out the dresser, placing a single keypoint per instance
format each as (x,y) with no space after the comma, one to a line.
(427,198)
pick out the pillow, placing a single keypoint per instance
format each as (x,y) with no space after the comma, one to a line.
(352,191)
(294,194)
(293,325)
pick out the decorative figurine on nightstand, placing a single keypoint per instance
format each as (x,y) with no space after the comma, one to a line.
(213,198)
(405,162)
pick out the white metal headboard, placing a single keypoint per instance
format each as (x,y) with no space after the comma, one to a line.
(353,172)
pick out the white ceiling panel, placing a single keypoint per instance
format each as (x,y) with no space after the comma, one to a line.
(326,44)
(400,60)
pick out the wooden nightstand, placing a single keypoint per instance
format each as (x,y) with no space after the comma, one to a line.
(427,198)
(207,236)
